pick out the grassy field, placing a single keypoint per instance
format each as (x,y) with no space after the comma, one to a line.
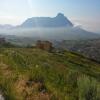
(33,74)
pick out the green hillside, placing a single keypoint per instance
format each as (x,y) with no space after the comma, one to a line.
(33,74)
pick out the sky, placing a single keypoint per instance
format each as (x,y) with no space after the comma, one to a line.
(85,13)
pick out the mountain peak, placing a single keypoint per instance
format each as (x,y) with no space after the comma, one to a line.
(60,15)
(59,21)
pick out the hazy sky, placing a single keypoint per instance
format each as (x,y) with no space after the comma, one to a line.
(81,12)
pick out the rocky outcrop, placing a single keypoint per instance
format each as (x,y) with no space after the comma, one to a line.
(1,97)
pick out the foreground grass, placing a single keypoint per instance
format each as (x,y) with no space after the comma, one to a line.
(32,74)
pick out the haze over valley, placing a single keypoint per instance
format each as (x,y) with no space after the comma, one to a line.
(56,28)
(49,50)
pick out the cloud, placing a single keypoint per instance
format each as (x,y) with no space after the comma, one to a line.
(77,24)
(87,24)
(8,17)
(14,20)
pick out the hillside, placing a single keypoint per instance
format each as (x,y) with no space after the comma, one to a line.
(89,48)
(33,74)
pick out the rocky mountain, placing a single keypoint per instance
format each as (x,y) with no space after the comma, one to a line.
(59,21)
(47,28)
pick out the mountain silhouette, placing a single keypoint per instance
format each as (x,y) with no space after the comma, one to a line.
(59,21)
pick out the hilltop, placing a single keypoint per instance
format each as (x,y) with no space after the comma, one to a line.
(34,74)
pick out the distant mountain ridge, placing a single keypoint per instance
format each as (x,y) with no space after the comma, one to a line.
(59,21)
(47,28)
(6,26)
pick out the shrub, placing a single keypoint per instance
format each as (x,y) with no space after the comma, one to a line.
(87,88)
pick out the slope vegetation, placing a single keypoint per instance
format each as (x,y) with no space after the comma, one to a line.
(33,74)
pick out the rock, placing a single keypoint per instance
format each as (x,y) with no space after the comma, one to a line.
(1,97)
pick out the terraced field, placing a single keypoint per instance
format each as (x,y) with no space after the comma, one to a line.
(33,74)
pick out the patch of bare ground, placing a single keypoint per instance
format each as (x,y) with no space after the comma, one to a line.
(5,70)
(32,90)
